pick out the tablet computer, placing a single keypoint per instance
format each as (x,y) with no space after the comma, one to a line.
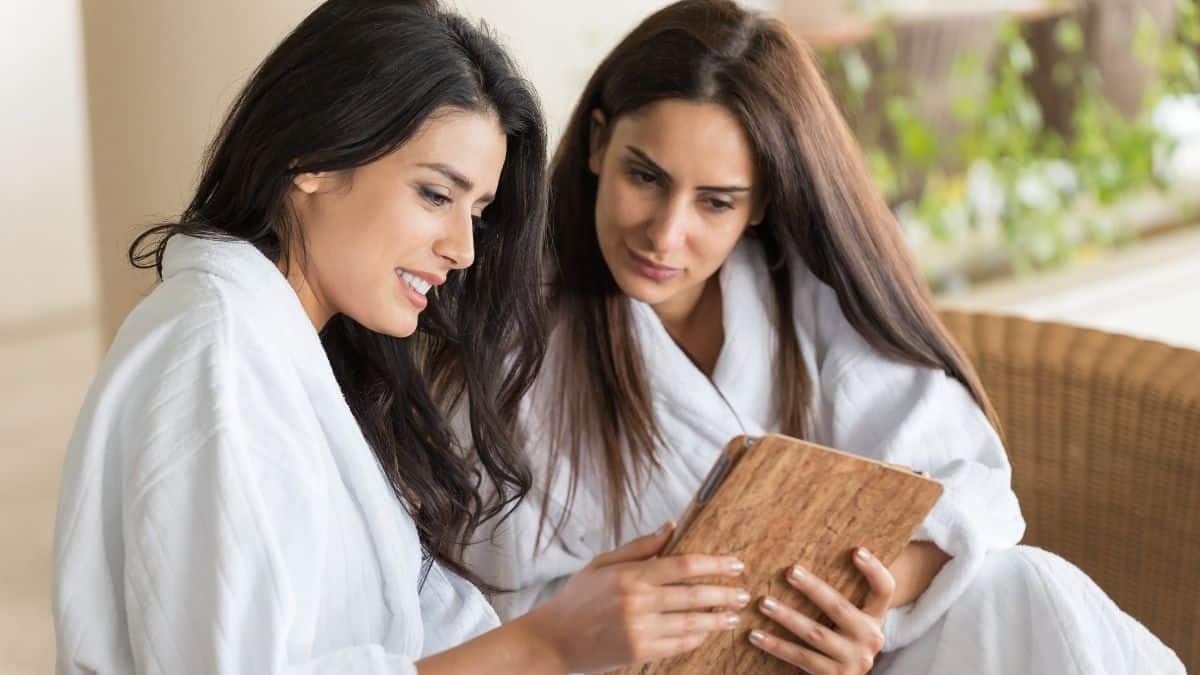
(775,501)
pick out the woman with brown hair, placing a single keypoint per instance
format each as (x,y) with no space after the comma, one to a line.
(725,265)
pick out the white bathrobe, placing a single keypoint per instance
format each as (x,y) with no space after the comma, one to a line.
(221,511)
(865,403)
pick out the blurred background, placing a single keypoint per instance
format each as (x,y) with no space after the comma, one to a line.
(1043,158)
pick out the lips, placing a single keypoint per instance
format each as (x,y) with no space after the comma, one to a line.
(414,288)
(650,269)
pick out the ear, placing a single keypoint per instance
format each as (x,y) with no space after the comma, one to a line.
(760,211)
(598,141)
(311,183)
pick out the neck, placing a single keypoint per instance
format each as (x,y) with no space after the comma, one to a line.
(318,313)
(697,325)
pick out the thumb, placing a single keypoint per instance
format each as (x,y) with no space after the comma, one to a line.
(646,546)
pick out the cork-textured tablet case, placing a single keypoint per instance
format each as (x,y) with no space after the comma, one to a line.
(776,501)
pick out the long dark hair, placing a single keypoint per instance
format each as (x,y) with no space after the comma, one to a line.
(822,209)
(351,83)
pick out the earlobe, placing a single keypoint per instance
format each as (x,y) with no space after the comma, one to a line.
(598,137)
(308,183)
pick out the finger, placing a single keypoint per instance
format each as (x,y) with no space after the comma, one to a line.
(677,568)
(668,647)
(678,624)
(843,613)
(882,583)
(805,659)
(821,638)
(646,546)
(683,598)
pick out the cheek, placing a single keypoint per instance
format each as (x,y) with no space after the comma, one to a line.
(714,242)
(368,239)
(623,206)
(391,227)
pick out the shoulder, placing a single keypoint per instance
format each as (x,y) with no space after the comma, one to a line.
(189,333)
(844,358)
(189,371)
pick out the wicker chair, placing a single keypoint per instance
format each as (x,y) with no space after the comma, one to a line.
(1103,432)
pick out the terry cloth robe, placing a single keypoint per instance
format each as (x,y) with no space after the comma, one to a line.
(993,608)
(221,511)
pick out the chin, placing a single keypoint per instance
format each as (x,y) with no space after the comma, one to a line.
(403,329)
(398,325)
(642,290)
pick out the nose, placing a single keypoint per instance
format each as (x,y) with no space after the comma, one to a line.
(668,230)
(457,244)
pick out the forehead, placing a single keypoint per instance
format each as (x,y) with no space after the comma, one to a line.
(471,142)
(700,140)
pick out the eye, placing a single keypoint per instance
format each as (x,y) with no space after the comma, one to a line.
(718,204)
(479,223)
(642,177)
(435,198)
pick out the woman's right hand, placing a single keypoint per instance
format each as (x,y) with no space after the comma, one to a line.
(630,607)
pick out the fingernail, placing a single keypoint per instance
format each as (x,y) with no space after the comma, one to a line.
(743,598)
(769,604)
(798,573)
(863,554)
(732,620)
(666,526)
(757,636)
(737,566)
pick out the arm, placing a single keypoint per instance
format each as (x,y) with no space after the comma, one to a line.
(626,607)
(515,648)
(224,515)
(915,569)
(215,578)
(919,417)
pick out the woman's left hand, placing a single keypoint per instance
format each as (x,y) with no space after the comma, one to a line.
(858,638)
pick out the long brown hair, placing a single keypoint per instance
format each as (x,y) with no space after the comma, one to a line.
(822,208)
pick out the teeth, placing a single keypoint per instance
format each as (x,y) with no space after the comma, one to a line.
(416,282)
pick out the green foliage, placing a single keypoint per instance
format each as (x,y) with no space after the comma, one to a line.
(1004,170)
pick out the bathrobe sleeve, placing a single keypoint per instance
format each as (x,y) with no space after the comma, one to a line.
(919,417)
(528,574)
(224,513)
(515,553)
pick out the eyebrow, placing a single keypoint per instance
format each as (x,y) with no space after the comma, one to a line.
(460,181)
(654,166)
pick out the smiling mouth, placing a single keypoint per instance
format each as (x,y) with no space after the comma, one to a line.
(415,288)
(418,284)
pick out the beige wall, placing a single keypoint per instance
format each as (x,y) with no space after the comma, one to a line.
(160,75)
(46,268)
(558,44)
(47,297)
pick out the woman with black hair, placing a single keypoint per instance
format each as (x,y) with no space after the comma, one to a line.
(262,479)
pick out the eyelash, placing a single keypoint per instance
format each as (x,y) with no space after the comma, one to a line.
(435,198)
(642,177)
(719,205)
(646,178)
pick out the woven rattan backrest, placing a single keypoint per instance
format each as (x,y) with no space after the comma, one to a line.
(1103,432)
